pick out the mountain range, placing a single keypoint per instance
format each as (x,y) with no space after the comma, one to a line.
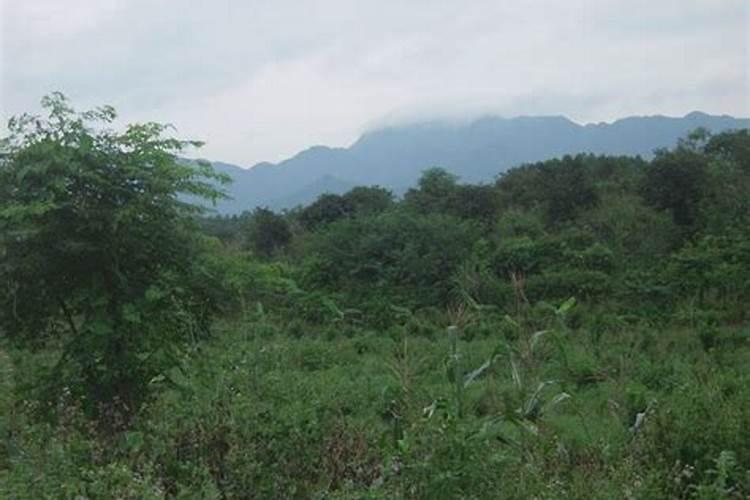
(477,151)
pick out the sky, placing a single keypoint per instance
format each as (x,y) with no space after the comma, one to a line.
(260,81)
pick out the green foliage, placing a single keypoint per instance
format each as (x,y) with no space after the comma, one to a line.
(360,201)
(544,412)
(409,257)
(434,188)
(439,192)
(632,230)
(369,200)
(326,209)
(567,189)
(268,233)
(562,187)
(424,348)
(96,240)
(673,182)
(517,223)
(519,255)
(725,207)
(712,266)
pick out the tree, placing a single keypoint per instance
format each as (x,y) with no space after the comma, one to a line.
(434,191)
(98,244)
(368,200)
(562,187)
(475,201)
(674,180)
(268,232)
(325,210)
(725,204)
(568,188)
(521,187)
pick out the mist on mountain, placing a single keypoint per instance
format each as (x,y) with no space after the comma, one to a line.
(477,151)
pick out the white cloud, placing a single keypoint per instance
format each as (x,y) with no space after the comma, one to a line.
(41,21)
(261,80)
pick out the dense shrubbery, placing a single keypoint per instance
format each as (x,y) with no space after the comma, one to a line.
(364,347)
(408,257)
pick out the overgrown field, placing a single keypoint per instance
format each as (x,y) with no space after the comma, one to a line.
(594,407)
(578,329)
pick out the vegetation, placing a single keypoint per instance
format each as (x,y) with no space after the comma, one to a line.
(578,329)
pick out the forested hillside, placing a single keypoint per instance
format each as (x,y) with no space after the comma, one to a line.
(577,328)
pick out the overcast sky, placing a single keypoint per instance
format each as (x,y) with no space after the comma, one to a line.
(263,80)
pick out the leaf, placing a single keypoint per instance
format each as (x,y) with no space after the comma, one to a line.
(155,294)
(502,349)
(401,311)
(566,306)
(515,374)
(131,314)
(532,402)
(476,373)
(555,401)
(511,322)
(134,441)
(100,327)
(530,427)
(332,308)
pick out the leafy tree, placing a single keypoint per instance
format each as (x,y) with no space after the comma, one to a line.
(434,191)
(98,244)
(328,208)
(563,187)
(439,191)
(227,228)
(718,264)
(725,203)
(268,232)
(368,200)
(514,222)
(520,187)
(733,145)
(476,202)
(673,181)
(325,210)
(634,231)
(568,189)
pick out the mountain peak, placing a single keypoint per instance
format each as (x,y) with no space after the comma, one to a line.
(698,115)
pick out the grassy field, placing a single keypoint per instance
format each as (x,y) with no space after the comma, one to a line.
(557,405)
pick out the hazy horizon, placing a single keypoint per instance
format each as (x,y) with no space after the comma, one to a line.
(444,121)
(261,82)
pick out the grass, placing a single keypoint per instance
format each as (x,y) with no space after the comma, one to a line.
(257,413)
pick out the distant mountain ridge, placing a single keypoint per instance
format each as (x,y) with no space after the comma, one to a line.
(394,157)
